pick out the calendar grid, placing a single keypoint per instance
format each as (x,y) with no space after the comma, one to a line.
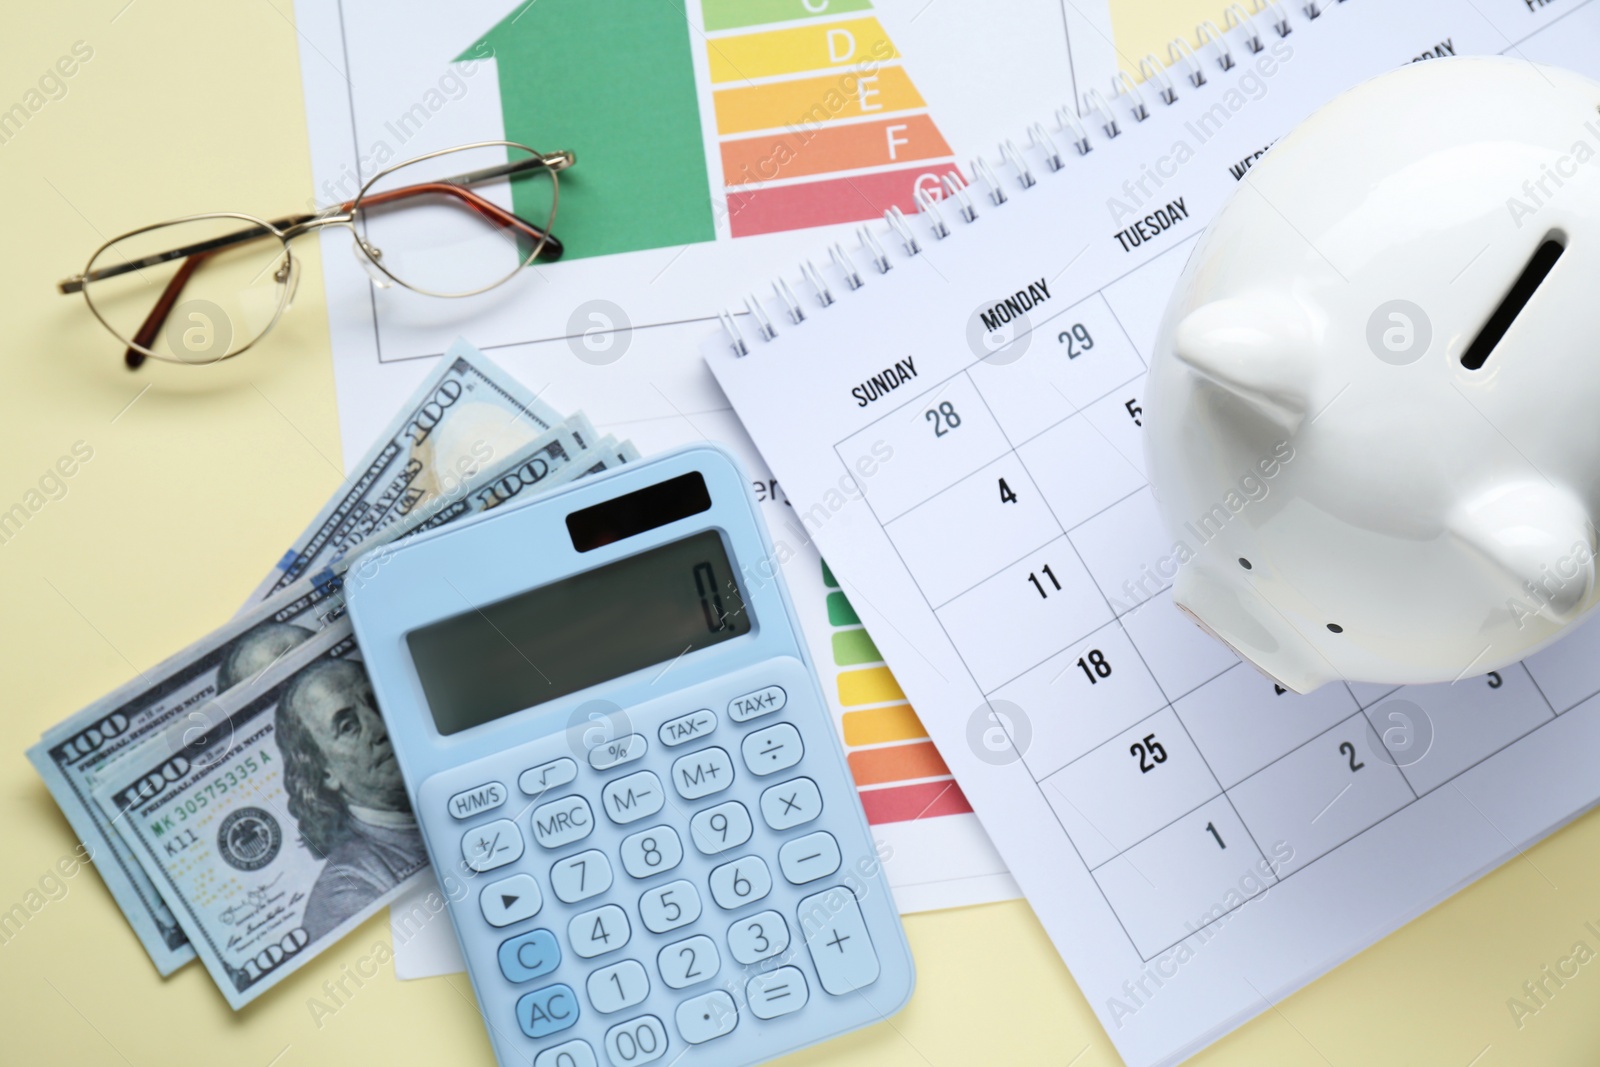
(1217,792)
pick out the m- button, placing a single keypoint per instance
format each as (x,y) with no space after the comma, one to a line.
(477,800)
(754,705)
(562,822)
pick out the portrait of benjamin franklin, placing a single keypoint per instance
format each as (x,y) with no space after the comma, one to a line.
(345,791)
(257,649)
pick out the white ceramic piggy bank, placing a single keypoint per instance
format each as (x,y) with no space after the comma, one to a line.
(1374,412)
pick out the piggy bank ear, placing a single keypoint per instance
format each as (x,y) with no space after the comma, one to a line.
(1260,348)
(1539,544)
(1230,611)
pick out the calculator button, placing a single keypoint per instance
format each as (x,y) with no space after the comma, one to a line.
(773,749)
(683,963)
(477,800)
(631,798)
(754,705)
(699,774)
(528,956)
(744,881)
(547,1011)
(790,804)
(567,1054)
(710,1015)
(609,754)
(721,828)
(588,874)
(685,728)
(546,776)
(641,1040)
(651,851)
(840,947)
(779,992)
(805,859)
(510,900)
(621,985)
(667,907)
(494,844)
(561,822)
(594,933)
(759,937)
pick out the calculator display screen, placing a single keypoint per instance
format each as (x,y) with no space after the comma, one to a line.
(649,608)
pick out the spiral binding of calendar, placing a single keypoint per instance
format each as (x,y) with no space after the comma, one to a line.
(1188,63)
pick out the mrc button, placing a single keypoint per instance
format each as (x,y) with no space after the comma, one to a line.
(754,705)
(478,799)
(562,822)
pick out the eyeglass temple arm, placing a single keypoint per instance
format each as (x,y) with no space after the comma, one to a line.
(455,186)
(158,314)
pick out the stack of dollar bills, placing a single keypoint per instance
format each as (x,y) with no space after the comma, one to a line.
(241,800)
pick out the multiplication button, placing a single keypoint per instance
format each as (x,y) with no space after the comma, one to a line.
(491,845)
(790,804)
(775,748)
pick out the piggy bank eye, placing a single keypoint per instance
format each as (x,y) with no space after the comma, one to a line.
(1334,627)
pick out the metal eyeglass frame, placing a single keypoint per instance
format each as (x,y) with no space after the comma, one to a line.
(545,243)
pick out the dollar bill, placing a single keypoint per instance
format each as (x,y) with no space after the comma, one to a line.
(71,756)
(469,414)
(277,824)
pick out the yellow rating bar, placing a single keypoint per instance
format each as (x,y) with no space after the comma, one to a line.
(860,43)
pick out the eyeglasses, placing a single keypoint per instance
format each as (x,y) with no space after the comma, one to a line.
(205,288)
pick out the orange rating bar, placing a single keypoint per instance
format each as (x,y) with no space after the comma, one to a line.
(897,763)
(808,101)
(795,154)
(874,727)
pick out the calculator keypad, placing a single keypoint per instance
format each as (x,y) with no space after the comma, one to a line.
(728,911)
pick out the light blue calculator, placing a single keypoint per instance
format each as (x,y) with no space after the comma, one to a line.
(617,749)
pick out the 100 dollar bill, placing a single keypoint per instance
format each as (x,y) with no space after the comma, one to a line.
(276,824)
(468,415)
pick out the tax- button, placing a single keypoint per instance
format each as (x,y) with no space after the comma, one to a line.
(478,799)
(699,774)
(494,844)
(790,804)
(561,822)
(836,934)
(754,705)
(547,1011)
(606,755)
(510,900)
(690,727)
(805,859)
(773,749)
(528,956)
(633,797)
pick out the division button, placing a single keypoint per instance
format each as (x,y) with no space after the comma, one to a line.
(778,992)
(543,777)
(685,728)
(494,844)
(477,800)
(836,935)
(708,1016)
(754,705)
(510,900)
(772,749)
(805,859)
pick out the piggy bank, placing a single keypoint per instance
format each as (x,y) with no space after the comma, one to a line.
(1374,408)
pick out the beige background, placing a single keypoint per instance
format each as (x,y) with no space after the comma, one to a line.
(200,477)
